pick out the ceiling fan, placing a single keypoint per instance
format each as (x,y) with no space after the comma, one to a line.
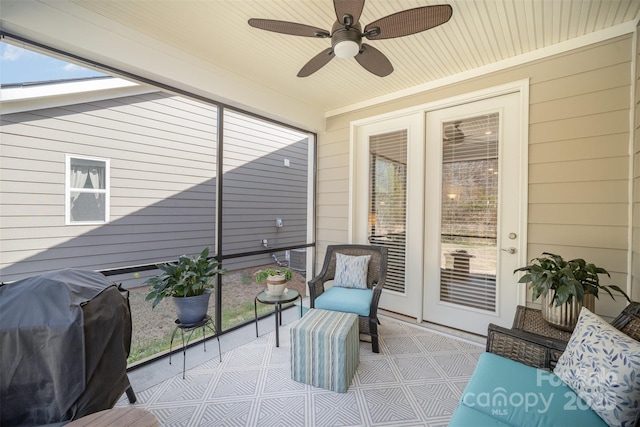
(346,34)
(453,135)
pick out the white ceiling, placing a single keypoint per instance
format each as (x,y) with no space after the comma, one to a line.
(480,33)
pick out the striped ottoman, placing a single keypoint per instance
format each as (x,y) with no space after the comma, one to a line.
(325,349)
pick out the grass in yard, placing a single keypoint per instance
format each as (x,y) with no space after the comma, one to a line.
(152,328)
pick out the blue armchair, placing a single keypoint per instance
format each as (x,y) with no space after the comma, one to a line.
(361,301)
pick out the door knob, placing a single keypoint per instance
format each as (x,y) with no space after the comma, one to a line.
(510,250)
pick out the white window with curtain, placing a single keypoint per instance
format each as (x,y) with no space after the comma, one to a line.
(87,190)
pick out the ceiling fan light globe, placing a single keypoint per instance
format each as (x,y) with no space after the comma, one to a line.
(346,49)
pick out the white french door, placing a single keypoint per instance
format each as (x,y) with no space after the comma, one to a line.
(445,192)
(474,214)
(387,171)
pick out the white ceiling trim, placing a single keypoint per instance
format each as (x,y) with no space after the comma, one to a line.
(14,93)
(521,86)
(586,40)
(50,95)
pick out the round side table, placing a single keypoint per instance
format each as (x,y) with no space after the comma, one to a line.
(264,297)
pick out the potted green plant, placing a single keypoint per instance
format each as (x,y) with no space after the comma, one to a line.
(188,283)
(564,286)
(276,279)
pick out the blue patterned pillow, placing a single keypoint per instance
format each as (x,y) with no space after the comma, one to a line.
(351,271)
(602,365)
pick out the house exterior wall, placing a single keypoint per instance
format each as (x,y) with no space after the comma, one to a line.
(266,173)
(578,156)
(152,218)
(163,160)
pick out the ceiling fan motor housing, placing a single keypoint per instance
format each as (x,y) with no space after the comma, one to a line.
(346,41)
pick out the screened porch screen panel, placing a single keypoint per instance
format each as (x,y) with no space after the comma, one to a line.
(266,178)
(388,202)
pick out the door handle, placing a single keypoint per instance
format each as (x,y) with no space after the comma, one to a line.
(511,250)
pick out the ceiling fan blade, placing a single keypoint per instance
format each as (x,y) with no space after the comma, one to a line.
(284,27)
(348,7)
(374,61)
(408,22)
(317,62)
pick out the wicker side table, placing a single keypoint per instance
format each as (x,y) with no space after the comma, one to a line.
(530,320)
(530,341)
(536,344)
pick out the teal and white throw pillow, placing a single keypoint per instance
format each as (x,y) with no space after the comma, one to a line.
(351,271)
(602,365)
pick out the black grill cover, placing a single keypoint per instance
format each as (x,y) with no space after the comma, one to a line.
(64,337)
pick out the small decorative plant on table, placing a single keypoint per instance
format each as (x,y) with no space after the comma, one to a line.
(276,279)
(188,282)
(564,286)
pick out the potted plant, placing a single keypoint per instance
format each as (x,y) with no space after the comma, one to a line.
(276,278)
(188,282)
(564,286)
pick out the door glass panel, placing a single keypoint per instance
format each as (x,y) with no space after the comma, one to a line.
(469,216)
(388,202)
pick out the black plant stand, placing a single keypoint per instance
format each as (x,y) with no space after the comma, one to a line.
(190,328)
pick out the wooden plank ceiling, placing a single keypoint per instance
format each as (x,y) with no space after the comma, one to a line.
(480,32)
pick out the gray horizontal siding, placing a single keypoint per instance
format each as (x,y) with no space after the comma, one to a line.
(258,188)
(162,151)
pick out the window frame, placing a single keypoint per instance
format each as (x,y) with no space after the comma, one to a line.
(106,191)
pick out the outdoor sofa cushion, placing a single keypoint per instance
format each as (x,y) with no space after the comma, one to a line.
(517,395)
(348,300)
(466,416)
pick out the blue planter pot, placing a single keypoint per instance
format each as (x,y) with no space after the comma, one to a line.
(192,309)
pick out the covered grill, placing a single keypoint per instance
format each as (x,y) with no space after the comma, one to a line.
(65,337)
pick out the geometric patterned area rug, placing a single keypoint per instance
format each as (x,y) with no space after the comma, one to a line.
(416,380)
